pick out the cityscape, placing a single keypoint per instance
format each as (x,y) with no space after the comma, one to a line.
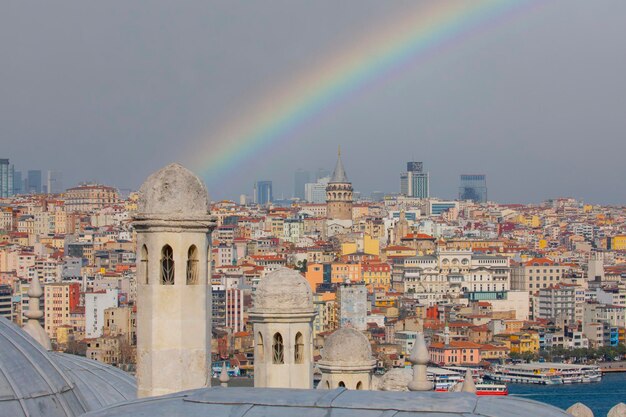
(484,284)
(324,208)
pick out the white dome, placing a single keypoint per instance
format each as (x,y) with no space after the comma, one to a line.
(346,346)
(173,190)
(283,291)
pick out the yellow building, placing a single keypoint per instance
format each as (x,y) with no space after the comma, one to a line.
(369,246)
(619,242)
(376,275)
(523,342)
(343,272)
(529,221)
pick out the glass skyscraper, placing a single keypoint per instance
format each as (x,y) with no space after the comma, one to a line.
(34,181)
(473,187)
(301,178)
(6,178)
(263,192)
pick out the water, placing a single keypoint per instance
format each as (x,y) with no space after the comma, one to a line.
(599,396)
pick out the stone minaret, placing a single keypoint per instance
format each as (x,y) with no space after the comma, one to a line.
(346,361)
(173,283)
(34,314)
(339,194)
(282,318)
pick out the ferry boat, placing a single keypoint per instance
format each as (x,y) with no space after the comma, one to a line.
(491,389)
(545,373)
(446,380)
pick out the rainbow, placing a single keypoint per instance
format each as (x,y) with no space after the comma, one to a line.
(395,46)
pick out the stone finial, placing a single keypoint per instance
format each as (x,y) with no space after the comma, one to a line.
(419,358)
(224,378)
(580,410)
(33,327)
(468,383)
(618,411)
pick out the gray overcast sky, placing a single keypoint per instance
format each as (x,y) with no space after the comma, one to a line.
(113,90)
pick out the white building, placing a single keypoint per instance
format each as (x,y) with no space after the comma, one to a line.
(95,304)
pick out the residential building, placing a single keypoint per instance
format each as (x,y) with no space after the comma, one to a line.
(352,300)
(537,273)
(59,300)
(90,197)
(95,305)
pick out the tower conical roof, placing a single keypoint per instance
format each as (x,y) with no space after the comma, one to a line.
(339,174)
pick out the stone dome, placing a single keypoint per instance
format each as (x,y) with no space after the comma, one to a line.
(346,346)
(283,291)
(173,190)
(31,382)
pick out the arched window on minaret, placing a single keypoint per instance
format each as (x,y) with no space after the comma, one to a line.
(260,347)
(359,385)
(144,264)
(342,384)
(278,349)
(167,265)
(192,265)
(298,353)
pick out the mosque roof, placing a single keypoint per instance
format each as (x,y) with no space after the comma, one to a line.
(35,382)
(283,291)
(100,385)
(31,382)
(173,190)
(217,401)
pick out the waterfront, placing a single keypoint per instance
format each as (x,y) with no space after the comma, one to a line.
(599,396)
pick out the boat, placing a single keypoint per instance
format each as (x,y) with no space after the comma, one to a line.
(491,389)
(545,373)
(447,380)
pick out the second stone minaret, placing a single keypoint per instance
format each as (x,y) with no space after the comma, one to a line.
(174,228)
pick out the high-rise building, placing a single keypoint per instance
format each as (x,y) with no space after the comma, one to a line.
(263,192)
(18,183)
(415,182)
(34,181)
(473,187)
(6,178)
(55,182)
(300,179)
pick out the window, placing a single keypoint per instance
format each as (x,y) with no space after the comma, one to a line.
(359,385)
(299,351)
(260,347)
(278,349)
(192,265)
(342,384)
(167,265)
(144,263)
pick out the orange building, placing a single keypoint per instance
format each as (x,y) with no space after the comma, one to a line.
(455,353)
